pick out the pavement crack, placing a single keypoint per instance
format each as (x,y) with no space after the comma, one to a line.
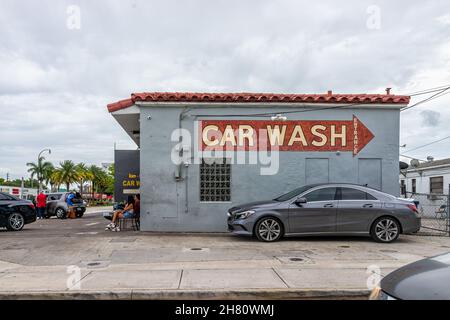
(285,283)
(181,277)
(82,278)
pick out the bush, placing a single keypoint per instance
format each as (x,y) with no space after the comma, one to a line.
(97,203)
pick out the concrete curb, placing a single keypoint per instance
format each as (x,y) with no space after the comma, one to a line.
(247,294)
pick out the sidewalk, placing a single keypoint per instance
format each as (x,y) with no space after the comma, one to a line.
(98,209)
(43,262)
(212,280)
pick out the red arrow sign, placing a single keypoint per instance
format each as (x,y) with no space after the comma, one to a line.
(298,135)
(361,135)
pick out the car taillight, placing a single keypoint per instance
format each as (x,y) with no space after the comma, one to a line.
(413,208)
(31,206)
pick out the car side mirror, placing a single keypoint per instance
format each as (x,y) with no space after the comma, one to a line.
(300,201)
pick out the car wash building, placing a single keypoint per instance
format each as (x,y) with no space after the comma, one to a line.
(202,153)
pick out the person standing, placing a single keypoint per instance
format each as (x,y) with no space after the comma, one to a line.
(70,206)
(41,204)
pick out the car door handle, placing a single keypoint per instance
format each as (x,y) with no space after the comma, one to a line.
(328,205)
(368,205)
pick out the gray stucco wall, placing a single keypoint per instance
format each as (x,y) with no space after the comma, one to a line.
(168,205)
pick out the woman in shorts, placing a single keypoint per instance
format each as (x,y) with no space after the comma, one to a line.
(127,212)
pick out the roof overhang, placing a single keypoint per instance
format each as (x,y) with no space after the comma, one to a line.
(129,120)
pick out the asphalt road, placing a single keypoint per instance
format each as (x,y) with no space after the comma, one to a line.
(172,265)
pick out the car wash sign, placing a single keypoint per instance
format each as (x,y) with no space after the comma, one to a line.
(294,135)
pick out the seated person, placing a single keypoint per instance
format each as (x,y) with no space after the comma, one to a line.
(137,205)
(127,212)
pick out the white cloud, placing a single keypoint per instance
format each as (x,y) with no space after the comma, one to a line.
(55,82)
(445,19)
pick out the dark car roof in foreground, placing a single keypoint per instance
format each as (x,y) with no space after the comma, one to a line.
(18,199)
(427,279)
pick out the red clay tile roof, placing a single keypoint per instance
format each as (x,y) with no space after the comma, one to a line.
(257,97)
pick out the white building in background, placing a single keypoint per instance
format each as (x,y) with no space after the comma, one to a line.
(23,193)
(431,177)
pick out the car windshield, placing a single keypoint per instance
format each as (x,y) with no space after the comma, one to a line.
(293,193)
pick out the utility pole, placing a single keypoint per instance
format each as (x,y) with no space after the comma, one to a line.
(38,176)
(7,176)
(22,185)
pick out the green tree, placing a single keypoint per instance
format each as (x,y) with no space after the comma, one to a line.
(55,179)
(66,173)
(41,170)
(110,180)
(84,174)
(97,178)
(48,174)
(18,183)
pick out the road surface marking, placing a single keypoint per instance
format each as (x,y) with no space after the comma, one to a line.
(92,224)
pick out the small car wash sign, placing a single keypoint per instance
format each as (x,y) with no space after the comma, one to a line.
(294,135)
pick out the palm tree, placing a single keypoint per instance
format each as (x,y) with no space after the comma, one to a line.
(84,174)
(42,169)
(48,174)
(55,179)
(67,173)
(97,178)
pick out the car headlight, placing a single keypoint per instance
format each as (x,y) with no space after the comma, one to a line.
(378,294)
(244,215)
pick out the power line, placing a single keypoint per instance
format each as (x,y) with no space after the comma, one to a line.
(434,96)
(430,90)
(426,145)
(405,156)
(281,112)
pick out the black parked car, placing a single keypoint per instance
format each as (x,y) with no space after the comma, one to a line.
(15,213)
(426,279)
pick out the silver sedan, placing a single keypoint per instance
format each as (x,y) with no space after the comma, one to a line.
(327,209)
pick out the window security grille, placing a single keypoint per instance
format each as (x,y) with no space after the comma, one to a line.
(437,185)
(215,181)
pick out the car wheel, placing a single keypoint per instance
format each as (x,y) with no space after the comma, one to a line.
(385,229)
(269,229)
(16,221)
(61,213)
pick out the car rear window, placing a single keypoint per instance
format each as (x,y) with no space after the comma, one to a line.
(3,197)
(54,197)
(7,197)
(355,194)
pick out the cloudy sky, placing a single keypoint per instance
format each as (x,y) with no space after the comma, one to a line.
(61,62)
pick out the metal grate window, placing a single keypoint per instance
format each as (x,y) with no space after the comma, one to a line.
(215,180)
(403,187)
(437,185)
